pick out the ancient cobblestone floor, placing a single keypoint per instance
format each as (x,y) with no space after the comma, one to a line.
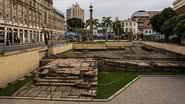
(147,90)
(63,78)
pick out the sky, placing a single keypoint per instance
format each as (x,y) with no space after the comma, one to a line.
(122,9)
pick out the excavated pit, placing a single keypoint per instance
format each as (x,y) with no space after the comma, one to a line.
(73,74)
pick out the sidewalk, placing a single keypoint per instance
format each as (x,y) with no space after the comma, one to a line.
(146,90)
(168,47)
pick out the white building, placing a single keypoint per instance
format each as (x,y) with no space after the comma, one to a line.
(130,26)
(149,32)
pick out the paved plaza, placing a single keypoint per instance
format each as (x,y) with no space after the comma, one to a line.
(146,90)
(166,46)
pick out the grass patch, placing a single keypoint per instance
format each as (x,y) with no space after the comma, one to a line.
(12,88)
(111,82)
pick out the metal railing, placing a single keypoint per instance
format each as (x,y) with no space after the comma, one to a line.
(20,47)
(24,46)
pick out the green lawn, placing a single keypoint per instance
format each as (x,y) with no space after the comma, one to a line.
(12,88)
(111,82)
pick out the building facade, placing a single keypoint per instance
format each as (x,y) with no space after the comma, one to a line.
(75,12)
(29,21)
(130,26)
(179,6)
(143,19)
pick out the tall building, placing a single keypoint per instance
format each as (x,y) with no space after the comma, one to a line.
(179,6)
(29,21)
(75,12)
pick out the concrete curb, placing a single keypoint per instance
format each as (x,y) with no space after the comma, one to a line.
(162,75)
(77,100)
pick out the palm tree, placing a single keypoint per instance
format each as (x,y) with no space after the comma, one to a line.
(118,30)
(95,22)
(106,22)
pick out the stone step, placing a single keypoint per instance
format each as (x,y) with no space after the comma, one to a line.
(64,78)
(58,81)
(86,85)
(91,93)
(69,72)
(54,84)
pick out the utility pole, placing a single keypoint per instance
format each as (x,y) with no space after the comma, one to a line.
(91,22)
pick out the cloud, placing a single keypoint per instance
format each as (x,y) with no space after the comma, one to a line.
(121,8)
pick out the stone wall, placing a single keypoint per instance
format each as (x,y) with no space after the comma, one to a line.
(60,49)
(101,46)
(167,48)
(89,46)
(16,66)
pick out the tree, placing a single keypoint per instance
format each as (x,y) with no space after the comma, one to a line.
(158,21)
(84,36)
(166,14)
(106,22)
(169,26)
(74,24)
(180,29)
(117,28)
(95,22)
(155,22)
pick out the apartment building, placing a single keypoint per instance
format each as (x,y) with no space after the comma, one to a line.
(179,6)
(143,19)
(75,12)
(29,21)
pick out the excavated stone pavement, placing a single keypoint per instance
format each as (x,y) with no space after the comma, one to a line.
(146,90)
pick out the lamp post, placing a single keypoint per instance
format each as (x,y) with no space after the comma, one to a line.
(91,22)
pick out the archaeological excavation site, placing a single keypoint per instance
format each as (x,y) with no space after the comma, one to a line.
(74,75)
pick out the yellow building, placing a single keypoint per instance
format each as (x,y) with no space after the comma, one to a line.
(29,21)
(75,12)
(179,6)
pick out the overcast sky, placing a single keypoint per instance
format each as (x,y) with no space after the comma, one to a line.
(121,8)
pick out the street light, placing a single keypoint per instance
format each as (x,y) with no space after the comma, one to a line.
(91,21)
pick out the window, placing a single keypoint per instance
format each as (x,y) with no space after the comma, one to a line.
(146,31)
(41,37)
(126,24)
(150,32)
(2,37)
(26,36)
(126,30)
(21,36)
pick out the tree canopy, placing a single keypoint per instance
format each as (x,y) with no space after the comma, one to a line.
(169,25)
(117,28)
(180,28)
(155,22)
(158,20)
(74,24)
(95,22)
(106,21)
